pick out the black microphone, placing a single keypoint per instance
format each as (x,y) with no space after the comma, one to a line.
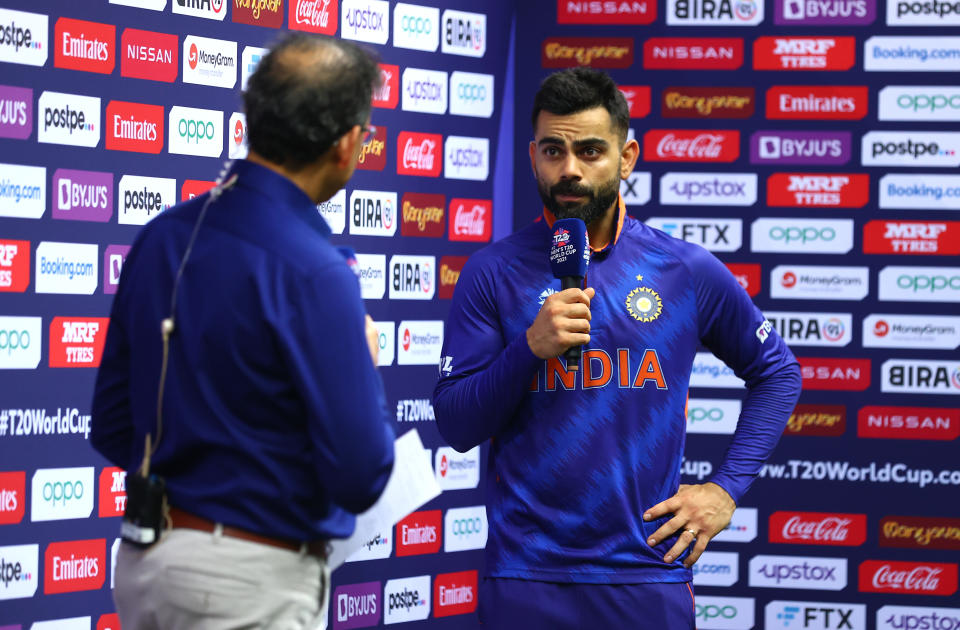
(569,257)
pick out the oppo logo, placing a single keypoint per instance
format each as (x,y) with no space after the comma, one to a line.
(472,92)
(467,526)
(62,492)
(11,340)
(698,414)
(711,611)
(416,25)
(196,130)
(928,283)
(802,235)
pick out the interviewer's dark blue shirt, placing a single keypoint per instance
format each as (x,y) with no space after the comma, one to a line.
(274,417)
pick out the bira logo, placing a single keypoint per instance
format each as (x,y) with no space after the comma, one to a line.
(455,593)
(606,11)
(699,102)
(16,112)
(412,277)
(818,528)
(12,498)
(14,266)
(908,578)
(419,154)
(920,532)
(800,147)
(912,237)
(747,276)
(691,145)
(595,52)
(463,33)
(373,213)
(450,269)
(820,420)
(818,190)
(804,53)
(267,13)
(824,12)
(358,606)
(373,153)
(387,95)
(313,16)
(835,374)
(817,102)
(909,423)
(82,195)
(471,220)
(422,214)
(112,487)
(77,342)
(86,46)
(23,37)
(917,376)
(420,533)
(77,565)
(693,53)
(134,127)
(149,55)
(812,329)
(210,9)
(714,12)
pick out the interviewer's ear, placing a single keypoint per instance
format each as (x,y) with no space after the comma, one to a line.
(347,148)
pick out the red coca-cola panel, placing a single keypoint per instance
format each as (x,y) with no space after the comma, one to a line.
(908,578)
(313,16)
(747,275)
(818,528)
(638,99)
(691,145)
(388,94)
(419,154)
(471,220)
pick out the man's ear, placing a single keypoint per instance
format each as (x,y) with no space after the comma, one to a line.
(345,149)
(533,156)
(628,157)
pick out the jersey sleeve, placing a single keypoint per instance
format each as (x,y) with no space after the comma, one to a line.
(735,330)
(483,377)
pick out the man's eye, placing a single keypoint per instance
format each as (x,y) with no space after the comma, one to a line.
(591,152)
(551,151)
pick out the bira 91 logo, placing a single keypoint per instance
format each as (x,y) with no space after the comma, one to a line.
(373,213)
(701,102)
(112,486)
(86,46)
(16,112)
(267,13)
(388,94)
(422,214)
(313,16)
(917,376)
(210,9)
(693,53)
(804,53)
(747,276)
(920,532)
(412,277)
(455,593)
(818,528)
(595,52)
(357,605)
(714,12)
(812,329)
(800,147)
(14,266)
(691,145)
(419,154)
(76,565)
(373,153)
(420,533)
(940,238)
(463,33)
(824,12)
(909,423)
(819,420)
(818,190)
(817,102)
(77,341)
(471,220)
(638,99)
(606,11)
(908,578)
(450,269)
(12,498)
(149,55)
(23,37)
(835,374)
(134,127)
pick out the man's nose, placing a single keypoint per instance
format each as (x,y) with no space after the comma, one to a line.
(570,168)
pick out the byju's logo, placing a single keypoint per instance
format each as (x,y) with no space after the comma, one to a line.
(143,198)
(134,127)
(824,12)
(20,341)
(412,277)
(113,258)
(920,284)
(195,131)
(406,599)
(83,195)
(210,9)
(357,606)
(16,112)
(465,528)
(724,613)
(712,415)
(372,270)
(416,27)
(800,147)
(68,119)
(719,235)
(812,329)
(62,493)
(19,571)
(419,342)
(424,91)
(366,21)
(802,236)
(466,158)
(724,13)
(910,54)
(457,471)
(334,211)
(86,46)
(815,615)
(464,33)
(911,148)
(471,94)
(23,37)
(822,574)
(66,268)
(373,213)
(210,62)
(713,189)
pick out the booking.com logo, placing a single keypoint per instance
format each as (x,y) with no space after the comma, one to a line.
(11,340)
(195,130)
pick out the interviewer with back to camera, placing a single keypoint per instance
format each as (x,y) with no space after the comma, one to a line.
(274,423)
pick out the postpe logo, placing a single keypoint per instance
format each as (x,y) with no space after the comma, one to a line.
(23,37)
(19,571)
(406,599)
(68,119)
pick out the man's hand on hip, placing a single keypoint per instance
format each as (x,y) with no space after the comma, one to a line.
(702,511)
(563,322)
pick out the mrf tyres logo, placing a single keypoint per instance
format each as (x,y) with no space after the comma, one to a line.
(818,190)
(77,342)
(406,599)
(68,119)
(23,37)
(412,277)
(804,53)
(814,573)
(14,266)
(912,237)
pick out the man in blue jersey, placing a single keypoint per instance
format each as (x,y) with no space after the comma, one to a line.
(589,525)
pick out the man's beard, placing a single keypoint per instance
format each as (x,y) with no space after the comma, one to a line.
(596,205)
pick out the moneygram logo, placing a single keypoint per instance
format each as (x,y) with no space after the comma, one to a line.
(723,13)
(465,528)
(709,371)
(464,33)
(638,99)
(76,565)
(717,568)
(195,131)
(134,127)
(910,13)
(372,269)
(457,471)
(19,571)
(416,27)
(66,268)
(471,94)
(422,214)
(77,342)
(83,195)
(358,606)
(909,423)
(450,269)
(835,374)
(143,198)
(419,153)
(911,148)
(693,53)
(593,12)
(747,276)
(419,342)
(13,499)
(210,9)
(237,144)
(86,46)
(724,613)
(921,103)
(815,615)
(814,573)
(919,376)
(691,145)
(714,189)
(920,532)
(420,532)
(14,266)
(718,235)
(636,189)
(313,16)
(596,52)
(812,282)
(896,617)
(366,21)
(712,415)
(812,329)
(412,277)
(68,119)
(373,213)
(148,55)
(334,211)
(825,12)
(818,190)
(466,158)
(16,112)
(20,340)
(821,420)
(817,102)
(23,37)
(920,284)
(112,487)
(911,237)
(800,147)
(928,332)
(908,578)
(267,13)
(23,191)
(910,54)
(387,339)
(920,192)
(804,53)
(455,593)
(387,95)
(424,91)
(406,599)
(802,236)
(210,62)
(62,493)
(701,102)
(818,528)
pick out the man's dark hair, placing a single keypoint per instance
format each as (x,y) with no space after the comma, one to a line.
(578,89)
(305,94)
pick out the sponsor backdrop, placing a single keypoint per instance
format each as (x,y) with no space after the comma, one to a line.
(813,147)
(112,111)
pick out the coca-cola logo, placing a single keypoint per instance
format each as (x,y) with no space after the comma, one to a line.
(818,528)
(747,276)
(419,154)
(387,95)
(691,145)
(916,578)
(314,16)
(471,220)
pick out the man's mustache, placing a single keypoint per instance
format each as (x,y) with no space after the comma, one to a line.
(570,187)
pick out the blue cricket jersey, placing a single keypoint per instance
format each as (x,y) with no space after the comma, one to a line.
(577,457)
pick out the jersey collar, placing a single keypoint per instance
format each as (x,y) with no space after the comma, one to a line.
(621,213)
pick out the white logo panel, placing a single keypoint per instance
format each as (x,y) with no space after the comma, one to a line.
(636,189)
(419,342)
(802,236)
(925,332)
(471,94)
(195,131)
(366,21)
(62,493)
(920,103)
(67,268)
(708,189)
(23,191)
(713,415)
(212,9)
(710,371)
(68,119)
(815,615)
(387,339)
(920,192)
(406,599)
(23,37)
(465,528)
(716,235)
(911,54)
(334,211)
(21,571)
(917,617)
(717,568)
(457,471)
(920,284)
(143,198)
(20,341)
(919,376)
(742,527)
(813,282)
(812,329)
(373,275)
(724,613)
(911,148)
(463,33)
(466,158)
(210,62)
(416,27)
(821,574)
(424,91)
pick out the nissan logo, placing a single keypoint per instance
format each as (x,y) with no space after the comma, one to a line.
(417,25)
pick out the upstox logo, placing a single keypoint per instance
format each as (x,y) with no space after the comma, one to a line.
(424,91)
(23,37)
(366,21)
(68,119)
(815,573)
(195,131)
(62,493)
